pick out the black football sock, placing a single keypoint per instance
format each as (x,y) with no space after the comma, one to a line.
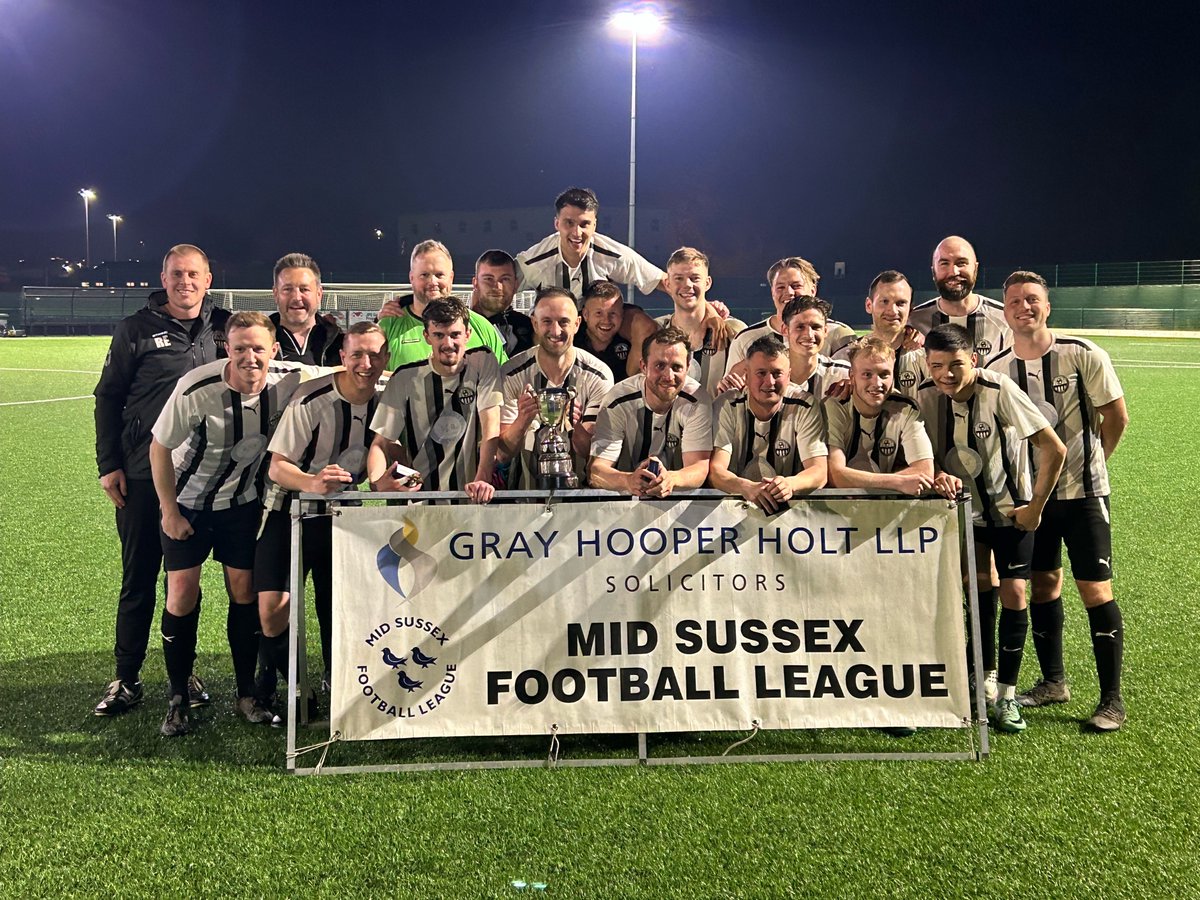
(179,650)
(1046,626)
(1014,624)
(265,680)
(1108,645)
(987,631)
(279,654)
(241,626)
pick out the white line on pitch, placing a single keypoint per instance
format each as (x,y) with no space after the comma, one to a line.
(1155,365)
(64,371)
(50,400)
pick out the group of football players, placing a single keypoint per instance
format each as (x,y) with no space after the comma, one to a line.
(209,422)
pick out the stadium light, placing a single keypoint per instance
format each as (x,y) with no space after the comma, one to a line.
(641,21)
(378,234)
(88,195)
(115,219)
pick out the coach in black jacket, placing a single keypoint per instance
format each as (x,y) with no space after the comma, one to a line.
(304,335)
(178,329)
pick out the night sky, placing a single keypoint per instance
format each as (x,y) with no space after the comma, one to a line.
(1044,132)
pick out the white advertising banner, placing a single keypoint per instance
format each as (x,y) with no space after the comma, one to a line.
(625,616)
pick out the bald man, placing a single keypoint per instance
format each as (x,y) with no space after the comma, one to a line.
(955,270)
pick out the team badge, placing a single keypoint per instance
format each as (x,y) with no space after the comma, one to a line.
(782,448)
(982,430)
(622,350)
(1061,384)
(984,347)
(404,680)
(887,447)
(249,447)
(465,395)
(907,379)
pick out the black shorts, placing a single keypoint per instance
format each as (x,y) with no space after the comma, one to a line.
(1084,526)
(273,553)
(228,534)
(1012,547)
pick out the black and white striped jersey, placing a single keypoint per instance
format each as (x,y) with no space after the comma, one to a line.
(628,431)
(542,265)
(984,441)
(419,405)
(321,427)
(828,372)
(777,446)
(590,378)
(989,332)
(218,437)
(888,442)
(1067,383)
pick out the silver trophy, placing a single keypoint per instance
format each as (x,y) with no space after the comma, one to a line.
(552,457)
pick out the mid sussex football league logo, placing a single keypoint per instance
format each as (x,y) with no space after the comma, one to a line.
(411,682)
(406,568)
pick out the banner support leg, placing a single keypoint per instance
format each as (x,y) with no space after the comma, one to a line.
(966,527)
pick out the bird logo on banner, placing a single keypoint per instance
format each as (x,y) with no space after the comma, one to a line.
(421,659)
(407,683)
(391,659)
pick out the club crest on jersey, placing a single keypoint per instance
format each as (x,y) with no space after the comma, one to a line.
(621,349)
(887,447)
(982,430)
(162,340)
(1061,384)
(984,347)
(782,448)
(465,395)
(671,441)
(907,379)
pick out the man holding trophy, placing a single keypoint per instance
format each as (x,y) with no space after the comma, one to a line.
(545,429)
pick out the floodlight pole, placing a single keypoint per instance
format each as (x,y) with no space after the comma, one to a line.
(114,219)
(632,133)
(87,194)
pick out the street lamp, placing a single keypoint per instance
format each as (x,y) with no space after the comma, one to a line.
(87,194)
(638,21)
(115,219)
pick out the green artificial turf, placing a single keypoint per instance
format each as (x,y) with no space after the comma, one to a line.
(93,807)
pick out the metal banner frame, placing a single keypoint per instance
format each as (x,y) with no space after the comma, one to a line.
(298,682)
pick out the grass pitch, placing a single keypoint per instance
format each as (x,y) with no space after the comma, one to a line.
(107,807)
